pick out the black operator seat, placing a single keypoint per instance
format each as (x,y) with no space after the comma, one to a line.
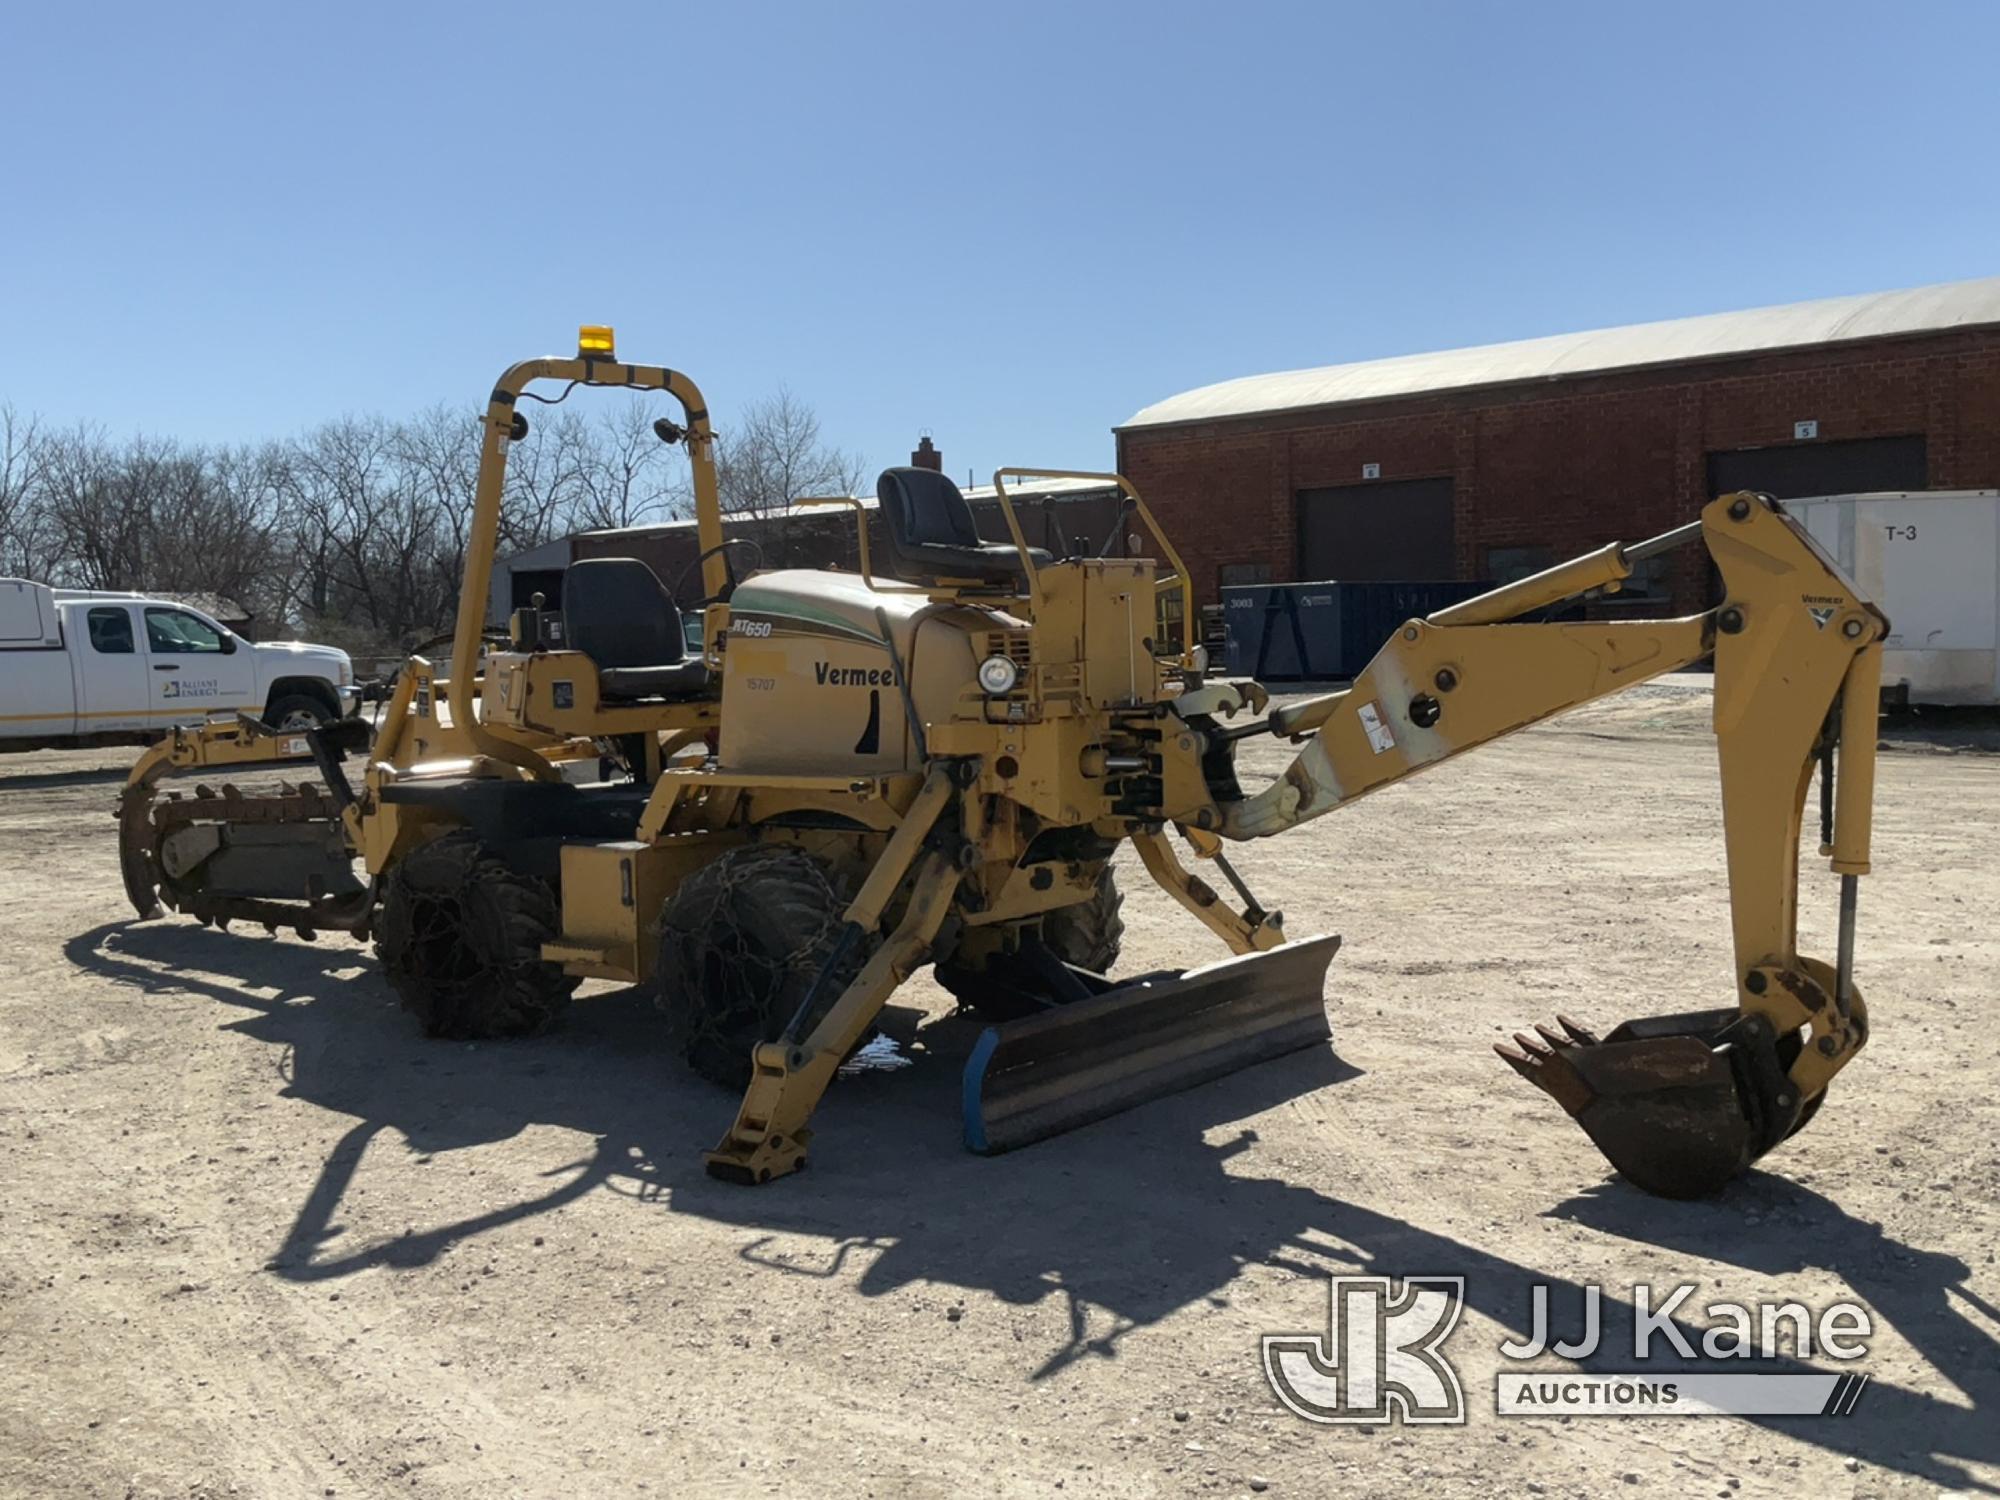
(932,536)
(618,613)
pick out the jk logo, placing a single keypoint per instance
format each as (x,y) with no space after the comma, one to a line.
(1379,1354)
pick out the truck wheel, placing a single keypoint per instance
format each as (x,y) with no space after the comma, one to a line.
(740,944)
(1090,933)
(296,711)
(460,936)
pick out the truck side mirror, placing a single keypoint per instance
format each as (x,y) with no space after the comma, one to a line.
(228,643)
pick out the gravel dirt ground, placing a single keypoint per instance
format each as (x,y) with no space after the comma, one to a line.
(262,1239)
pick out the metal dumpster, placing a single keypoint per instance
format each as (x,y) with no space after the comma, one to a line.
(1301,632)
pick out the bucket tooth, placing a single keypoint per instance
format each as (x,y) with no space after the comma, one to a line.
(1076,1063)
(1555,1038)
(1577,1032)
(1548,1070)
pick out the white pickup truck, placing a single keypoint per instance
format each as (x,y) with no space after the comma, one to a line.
(81,668)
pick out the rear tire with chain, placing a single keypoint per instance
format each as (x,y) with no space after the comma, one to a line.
(460,936)
(741,942)
(1091,933)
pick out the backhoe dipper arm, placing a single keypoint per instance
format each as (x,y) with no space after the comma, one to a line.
(1679,1103)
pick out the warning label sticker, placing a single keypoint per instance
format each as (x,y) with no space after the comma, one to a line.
(1378,733)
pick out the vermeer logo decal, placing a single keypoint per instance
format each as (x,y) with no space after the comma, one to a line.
(827,675)
(1380,1354)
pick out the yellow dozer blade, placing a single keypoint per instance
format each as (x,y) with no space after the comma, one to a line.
(1075,1063)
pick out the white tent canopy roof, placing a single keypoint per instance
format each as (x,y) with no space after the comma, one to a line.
(1958,304)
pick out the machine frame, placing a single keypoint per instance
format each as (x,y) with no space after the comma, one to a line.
(976,803)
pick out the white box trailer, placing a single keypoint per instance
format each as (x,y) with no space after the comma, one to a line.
(1931,560)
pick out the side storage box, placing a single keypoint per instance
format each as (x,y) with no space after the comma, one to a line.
(612,893)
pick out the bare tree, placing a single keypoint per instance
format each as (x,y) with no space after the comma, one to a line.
(775,455)
(439,455)
(96,504)
(544,481)
(149,513)
(24,531)
(208,525)
(630,476)
(358,529)
(331,476)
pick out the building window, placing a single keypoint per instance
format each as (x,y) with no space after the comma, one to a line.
(1232,575)
(1511,564)
(1652,578)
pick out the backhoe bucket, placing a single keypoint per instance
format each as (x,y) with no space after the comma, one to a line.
(1080,1062)
(1678,1104)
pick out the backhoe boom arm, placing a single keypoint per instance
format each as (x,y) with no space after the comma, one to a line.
(1797,670)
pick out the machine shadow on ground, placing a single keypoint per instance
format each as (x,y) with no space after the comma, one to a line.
(42,781)
(1129,1221)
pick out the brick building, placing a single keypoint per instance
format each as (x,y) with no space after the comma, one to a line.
(1493,462)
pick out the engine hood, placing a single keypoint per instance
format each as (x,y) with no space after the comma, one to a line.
(298,654)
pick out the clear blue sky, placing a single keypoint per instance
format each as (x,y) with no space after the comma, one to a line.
(1012,224)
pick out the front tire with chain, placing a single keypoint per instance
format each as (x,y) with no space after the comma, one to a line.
(1090,934)
(460,936)
(1006,986)
(741,942)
